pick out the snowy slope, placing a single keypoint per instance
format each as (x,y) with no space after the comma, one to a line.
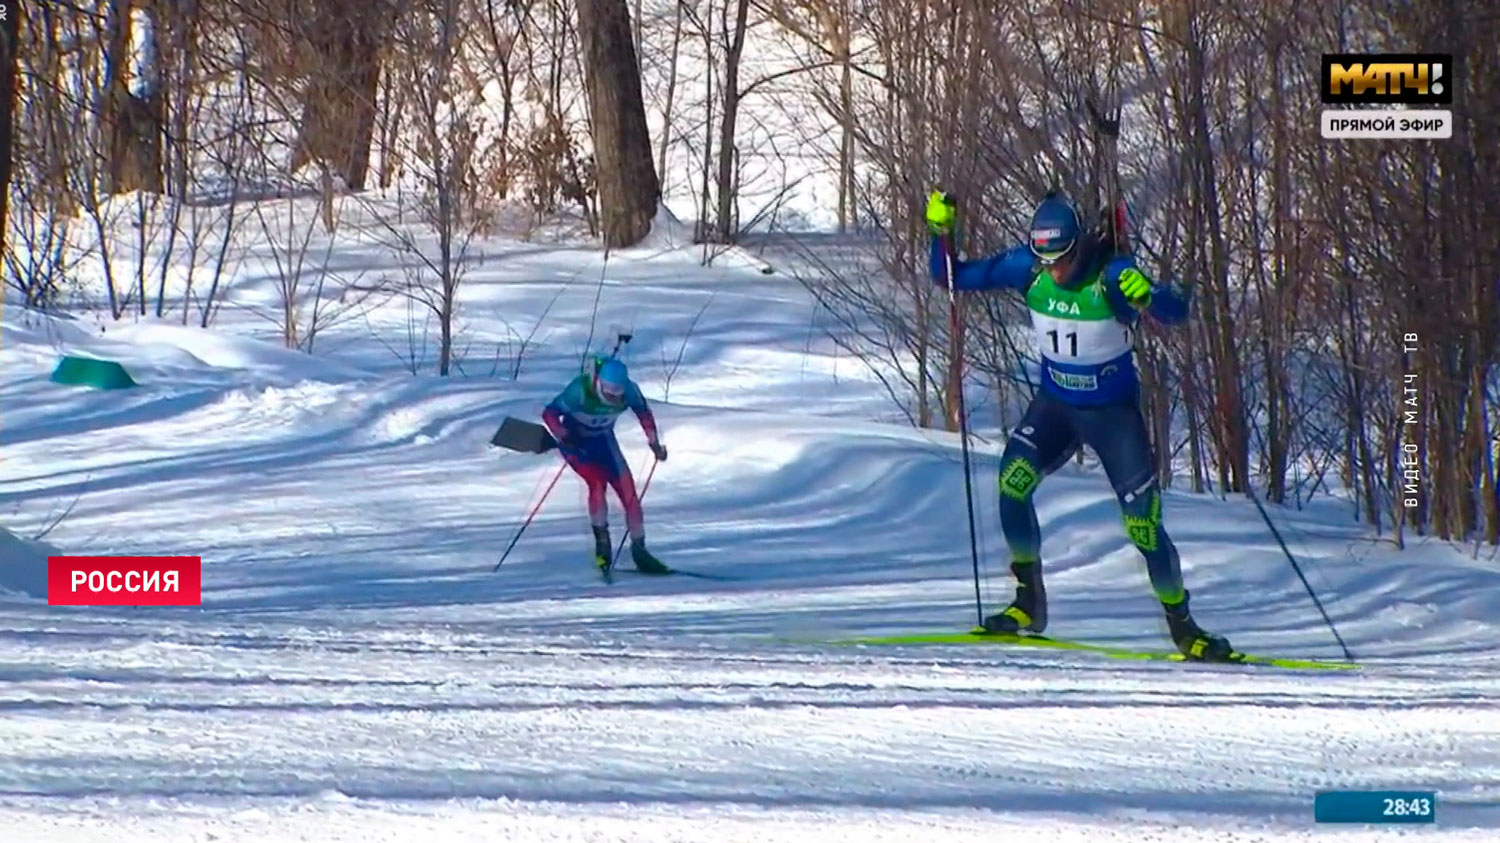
(356,670)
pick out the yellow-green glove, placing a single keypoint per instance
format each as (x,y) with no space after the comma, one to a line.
(1136,288)
(941,212)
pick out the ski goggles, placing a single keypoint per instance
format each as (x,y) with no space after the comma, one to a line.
(612,393)
(1049,246)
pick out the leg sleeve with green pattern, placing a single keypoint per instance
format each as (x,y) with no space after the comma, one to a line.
(1117,433)
(1043,440)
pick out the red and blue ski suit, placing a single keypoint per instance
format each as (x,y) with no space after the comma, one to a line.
(584,427)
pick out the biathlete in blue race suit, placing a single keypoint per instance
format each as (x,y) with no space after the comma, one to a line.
(1085,302)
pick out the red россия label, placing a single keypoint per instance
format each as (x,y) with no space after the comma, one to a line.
(124,580)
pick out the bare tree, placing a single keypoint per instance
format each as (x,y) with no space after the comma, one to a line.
(734,48)
(828,27)
(38,222)
(9,62)
(310,296)
(628,186)
(1319,359)
(445,95)
(665,141)
(504,32)
(342,43)
(131,119)
(1294,359)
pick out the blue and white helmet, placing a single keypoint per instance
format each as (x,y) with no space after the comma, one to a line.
(1054,228)
(610,381)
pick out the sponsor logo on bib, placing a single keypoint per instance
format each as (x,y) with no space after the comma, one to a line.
(1078,383)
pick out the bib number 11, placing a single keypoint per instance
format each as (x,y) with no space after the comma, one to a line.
(1072,341)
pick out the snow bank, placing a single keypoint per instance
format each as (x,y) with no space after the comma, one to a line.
(670,234)
(667,232)
(23,565)
(160,351)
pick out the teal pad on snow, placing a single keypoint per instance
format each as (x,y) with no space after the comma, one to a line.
(88,371)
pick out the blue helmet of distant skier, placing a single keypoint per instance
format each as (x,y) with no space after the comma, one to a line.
(611,382)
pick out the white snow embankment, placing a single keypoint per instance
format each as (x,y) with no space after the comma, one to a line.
(159,352)
(23,565)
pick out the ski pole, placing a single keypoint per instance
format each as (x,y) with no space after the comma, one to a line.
(1348,656)
(651,472)
(955,326)
(531,515)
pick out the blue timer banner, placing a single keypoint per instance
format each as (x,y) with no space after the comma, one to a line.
(1375,806)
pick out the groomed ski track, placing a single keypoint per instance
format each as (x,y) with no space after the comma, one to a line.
(524,730)
(357,672)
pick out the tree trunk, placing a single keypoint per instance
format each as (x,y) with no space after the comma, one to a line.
(848,201)
(905,115)
(724,222)
(505,48)
(1223,347)
(176,27)
(842,46)
(9,29)
(1195,429)
(338,109)
(132,124)
(666,117)
(960,33)
(955,386)
(1279,328)
(923,343)
(705,164)
(392,99)
(628,187)
(1490,486)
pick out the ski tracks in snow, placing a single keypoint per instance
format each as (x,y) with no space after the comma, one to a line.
(357,673)
(545,737)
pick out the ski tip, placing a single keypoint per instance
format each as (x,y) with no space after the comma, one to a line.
(1290,664)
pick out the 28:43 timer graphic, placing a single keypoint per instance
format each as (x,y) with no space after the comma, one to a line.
(1375,806)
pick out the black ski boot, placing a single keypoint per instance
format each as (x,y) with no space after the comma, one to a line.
(1028,612)
(644,561)
(603,549)
(1190,638)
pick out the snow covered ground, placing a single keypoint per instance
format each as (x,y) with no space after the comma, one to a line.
(357,672)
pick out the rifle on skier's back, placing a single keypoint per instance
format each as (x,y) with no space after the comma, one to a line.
(1114,218)
(528,437)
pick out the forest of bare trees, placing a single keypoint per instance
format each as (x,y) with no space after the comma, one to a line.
(1345,292)
(1345,326)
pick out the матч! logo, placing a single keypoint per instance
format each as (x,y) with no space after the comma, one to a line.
(1410,79)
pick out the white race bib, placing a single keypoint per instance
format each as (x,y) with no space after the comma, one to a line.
(1080,342)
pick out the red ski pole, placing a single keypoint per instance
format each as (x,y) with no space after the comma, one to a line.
(641,497)
(531,515)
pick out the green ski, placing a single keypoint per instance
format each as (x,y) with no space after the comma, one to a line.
(673,572)
(978,636)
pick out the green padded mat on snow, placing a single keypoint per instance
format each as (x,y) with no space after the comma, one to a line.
(87,371)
